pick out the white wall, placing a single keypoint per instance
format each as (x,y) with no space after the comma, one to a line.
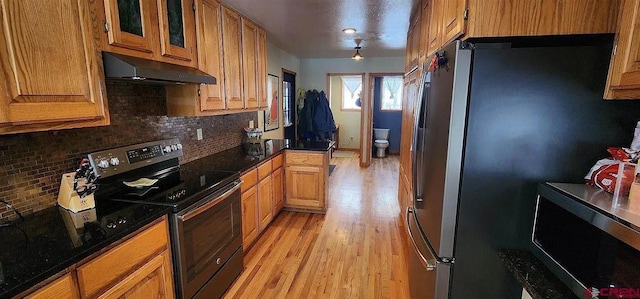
(349,120)
(313,75)
(277,59)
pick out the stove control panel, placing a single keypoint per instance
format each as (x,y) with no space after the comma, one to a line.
(119,160)
(176,195)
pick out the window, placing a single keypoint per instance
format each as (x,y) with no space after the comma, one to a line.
(351,92)
(286,108)
(391,97)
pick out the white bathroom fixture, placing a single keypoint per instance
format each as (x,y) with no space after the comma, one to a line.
(381,141)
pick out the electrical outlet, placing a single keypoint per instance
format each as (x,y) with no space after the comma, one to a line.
(199,133)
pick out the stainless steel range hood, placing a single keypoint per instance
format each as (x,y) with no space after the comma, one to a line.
(122,67)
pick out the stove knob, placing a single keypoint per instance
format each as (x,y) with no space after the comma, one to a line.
(111,224)
(103,164)
(122,220)
(114,161)
(179,145)
(174,147)
(167,149)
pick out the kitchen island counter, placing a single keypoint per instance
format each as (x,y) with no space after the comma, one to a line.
(244,157)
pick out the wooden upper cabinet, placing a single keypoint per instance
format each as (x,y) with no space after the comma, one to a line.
(131,27)
(407,55)
(425,16)
(624,73)
(434,37)
(162,30)
(209,39)
(413,43)
(262,68)
(453,19)
(232,52)
(417,36)
(176,21)
(52,75)
(493,18)
(249,62)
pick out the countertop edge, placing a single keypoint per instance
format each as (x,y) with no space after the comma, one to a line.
(533,276)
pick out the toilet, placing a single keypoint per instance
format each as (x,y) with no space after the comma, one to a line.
(381,141)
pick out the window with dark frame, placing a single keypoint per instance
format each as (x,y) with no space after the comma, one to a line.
(286,107)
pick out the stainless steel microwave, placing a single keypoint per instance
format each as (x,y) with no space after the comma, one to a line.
(590,241)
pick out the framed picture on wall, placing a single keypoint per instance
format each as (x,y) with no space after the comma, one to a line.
(272,115)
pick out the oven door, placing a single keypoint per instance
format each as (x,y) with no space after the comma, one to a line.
(204,236)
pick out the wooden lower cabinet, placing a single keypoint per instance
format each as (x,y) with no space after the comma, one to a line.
(249,216)
(125,262)
(152,280)
(139,267)
(63,287)
(258,199)
(306,176)
(265,202)
(277,179)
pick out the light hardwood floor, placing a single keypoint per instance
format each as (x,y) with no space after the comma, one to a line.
(354,251)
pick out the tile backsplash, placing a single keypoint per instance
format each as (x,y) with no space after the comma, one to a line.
(31,164)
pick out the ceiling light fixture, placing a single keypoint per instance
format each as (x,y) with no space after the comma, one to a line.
(349,30)
(357,56)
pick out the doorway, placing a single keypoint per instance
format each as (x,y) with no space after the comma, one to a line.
(289,104)
(347,98)
(387,112)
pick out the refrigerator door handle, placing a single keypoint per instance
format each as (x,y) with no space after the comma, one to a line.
(415,145)
(431,266)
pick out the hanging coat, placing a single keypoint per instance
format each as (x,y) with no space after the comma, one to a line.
(323,124)
(305,117)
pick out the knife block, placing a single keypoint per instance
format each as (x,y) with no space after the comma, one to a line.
(69,199)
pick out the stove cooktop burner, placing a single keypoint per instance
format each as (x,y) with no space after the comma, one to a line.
(176,190)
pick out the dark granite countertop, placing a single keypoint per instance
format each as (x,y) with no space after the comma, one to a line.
(534,277)
(47,242)
(248,155)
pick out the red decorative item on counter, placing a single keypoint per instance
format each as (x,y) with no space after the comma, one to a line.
(605,174)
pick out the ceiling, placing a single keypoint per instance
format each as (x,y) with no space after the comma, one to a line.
(313,28)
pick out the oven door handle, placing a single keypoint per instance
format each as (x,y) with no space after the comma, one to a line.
(197,211)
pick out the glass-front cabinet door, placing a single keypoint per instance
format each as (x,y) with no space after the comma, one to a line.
(129,26)
(177,31)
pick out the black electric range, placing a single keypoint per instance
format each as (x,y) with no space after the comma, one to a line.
(177,186)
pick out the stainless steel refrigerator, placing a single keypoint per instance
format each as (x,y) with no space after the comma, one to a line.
(491,123)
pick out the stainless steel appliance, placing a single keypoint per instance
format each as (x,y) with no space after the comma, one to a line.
(587,239)
(121,67)
(493,121)
(205,216)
